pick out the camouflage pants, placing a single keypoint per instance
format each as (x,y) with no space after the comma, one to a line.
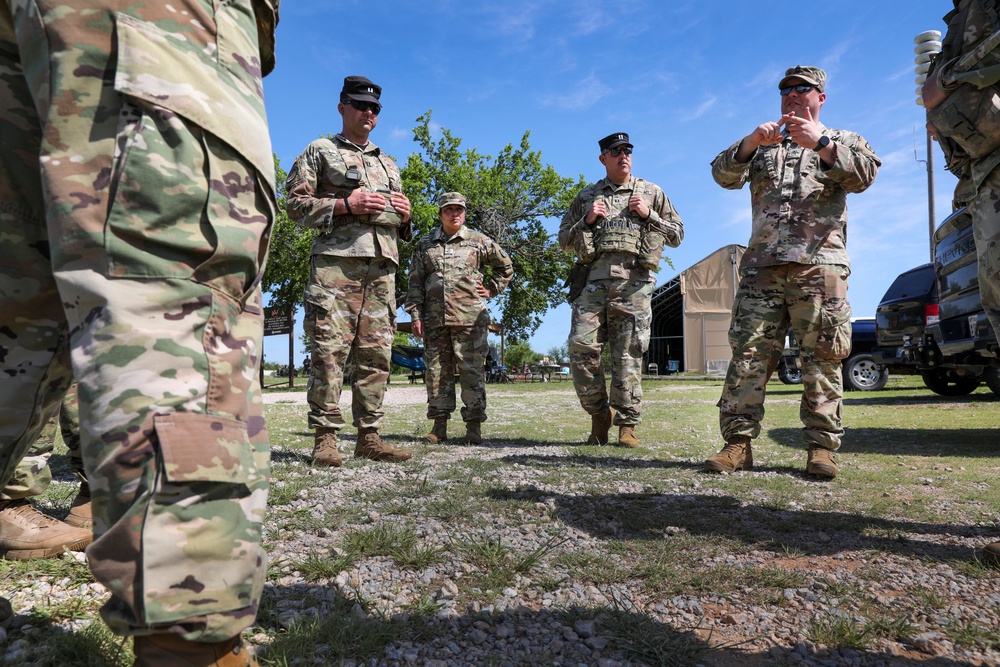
(451,350)
(813,298)
(614,312)
(136,197)
(350,309)
(985,211)
(33,475)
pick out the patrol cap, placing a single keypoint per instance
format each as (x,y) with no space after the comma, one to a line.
(452,199)
(813,75)
(361,89)
(612,140)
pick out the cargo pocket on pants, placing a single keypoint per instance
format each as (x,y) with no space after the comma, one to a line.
(202,528)
(834,340)
(640,334)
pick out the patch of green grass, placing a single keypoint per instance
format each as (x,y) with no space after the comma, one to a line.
(928,598)
(897,628)
(645,640)
(317,566)
(972,634)
(93,646)
(838,631)
(592,566)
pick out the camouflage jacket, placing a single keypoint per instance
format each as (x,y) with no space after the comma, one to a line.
(968,70)
(799,204)
(319,177)
(444,273)
(266,13)
(576,236)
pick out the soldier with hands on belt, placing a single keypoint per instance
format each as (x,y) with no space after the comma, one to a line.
(351,192)
(447,302)
(617,229)
(795,268)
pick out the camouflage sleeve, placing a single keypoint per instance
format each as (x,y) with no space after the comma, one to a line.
(663,218)
(302,204)
(572,223)
(503,269)
(728,172)
(855,166)
(415,292)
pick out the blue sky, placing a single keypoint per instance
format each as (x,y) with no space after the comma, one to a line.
(684,79)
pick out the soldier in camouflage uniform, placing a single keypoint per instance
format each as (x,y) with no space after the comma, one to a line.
(351,193)
(617,229)
(795,269)
(27,533)
(136,199)
(960,95)
(447,302)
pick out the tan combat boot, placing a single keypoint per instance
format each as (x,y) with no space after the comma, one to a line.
(736,455)
(991,554)
(371,446)
(440,431)
(473,433)
(325,452)
(626,436)
(820,462)
(26,533)
(600,424)
(170,650)
(80,513)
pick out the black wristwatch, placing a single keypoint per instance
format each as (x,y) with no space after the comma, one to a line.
(824,141)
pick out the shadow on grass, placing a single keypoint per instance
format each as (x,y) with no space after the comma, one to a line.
(817,533)
(636,462)
(970,442)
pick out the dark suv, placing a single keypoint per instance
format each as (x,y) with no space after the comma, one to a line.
(954,348)
(861,371)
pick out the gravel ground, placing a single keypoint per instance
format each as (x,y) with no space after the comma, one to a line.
(547,616)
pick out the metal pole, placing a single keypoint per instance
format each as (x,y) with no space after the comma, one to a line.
(932,217)
(291,347)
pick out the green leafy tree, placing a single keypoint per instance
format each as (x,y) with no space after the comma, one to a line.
(509,198)
(559,354)
(518,353)
(287,269)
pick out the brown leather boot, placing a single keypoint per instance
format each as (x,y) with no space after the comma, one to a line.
(626,436)
(80,513)
(736,455)
(26,533)
(370,446)
(820,462)
(600,424)
(325,452)
(473,433)
(440,431)
(170,650)
(991,554)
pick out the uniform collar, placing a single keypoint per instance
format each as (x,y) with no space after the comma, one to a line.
(369,148)
(440,236)
(607,184)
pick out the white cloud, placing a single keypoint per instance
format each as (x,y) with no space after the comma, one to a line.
(582,96)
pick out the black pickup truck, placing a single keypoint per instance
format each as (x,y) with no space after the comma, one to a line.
(931,319)
(861,371)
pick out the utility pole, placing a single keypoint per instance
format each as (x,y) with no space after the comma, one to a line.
(928,44)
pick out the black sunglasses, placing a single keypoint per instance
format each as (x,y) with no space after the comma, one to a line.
(374,107)
(800,88)
(618,150)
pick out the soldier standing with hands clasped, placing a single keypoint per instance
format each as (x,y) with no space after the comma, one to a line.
(960,97)
(351,192)
(795,268)
(447,301)
(617,229)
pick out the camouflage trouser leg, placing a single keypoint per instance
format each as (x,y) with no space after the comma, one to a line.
(451,350)
(69,428)
(813,298)
(616,312)
(157,217)
(985,210)
(350,307)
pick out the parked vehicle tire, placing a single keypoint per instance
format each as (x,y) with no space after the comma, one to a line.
(992,379)
(789,374)
(863,374)
(944,384)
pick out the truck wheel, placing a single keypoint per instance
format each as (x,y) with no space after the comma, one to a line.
(992,379)
(863,374)
(789,374)
(944,385)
